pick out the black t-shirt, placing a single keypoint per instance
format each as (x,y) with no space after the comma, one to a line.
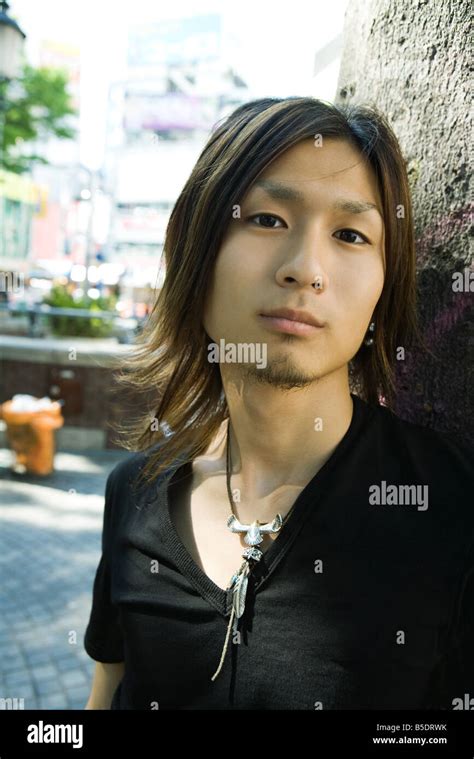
(365,600)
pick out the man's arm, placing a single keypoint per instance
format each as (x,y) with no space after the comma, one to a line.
(104,684)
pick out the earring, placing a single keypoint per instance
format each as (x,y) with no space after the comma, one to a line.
(318,283)
(369,340)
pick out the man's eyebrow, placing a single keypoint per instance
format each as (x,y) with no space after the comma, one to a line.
(280,191)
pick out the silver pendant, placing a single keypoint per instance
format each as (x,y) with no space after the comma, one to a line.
(254,536)
(239,580)
(254,531)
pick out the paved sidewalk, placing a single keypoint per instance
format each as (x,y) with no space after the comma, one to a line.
(50,532)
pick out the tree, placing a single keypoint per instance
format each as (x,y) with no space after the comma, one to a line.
(412,60)
(35,108)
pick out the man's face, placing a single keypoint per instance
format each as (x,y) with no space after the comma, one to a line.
(270,261)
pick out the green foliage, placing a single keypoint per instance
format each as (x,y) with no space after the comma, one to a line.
(37,107)
(60,297)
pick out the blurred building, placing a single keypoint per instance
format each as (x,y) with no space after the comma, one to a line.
(22,201)
(177,85)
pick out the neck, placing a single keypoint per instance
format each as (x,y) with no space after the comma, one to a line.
(280,439)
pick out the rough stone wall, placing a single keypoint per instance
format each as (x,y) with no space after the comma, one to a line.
(411,59)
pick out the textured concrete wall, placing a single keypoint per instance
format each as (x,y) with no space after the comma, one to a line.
(411,60)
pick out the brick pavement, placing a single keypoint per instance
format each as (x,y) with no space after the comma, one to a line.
(50,531)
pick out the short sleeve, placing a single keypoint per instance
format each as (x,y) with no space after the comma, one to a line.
(103,638)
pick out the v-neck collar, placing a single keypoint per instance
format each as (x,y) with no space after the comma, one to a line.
(306,501)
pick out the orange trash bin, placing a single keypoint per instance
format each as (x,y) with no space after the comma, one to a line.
(30,434)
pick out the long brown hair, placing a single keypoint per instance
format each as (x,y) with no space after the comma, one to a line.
(169,367)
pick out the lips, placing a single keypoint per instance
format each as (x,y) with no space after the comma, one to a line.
(303,317)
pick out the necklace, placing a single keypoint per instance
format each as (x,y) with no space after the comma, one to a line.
(251,555)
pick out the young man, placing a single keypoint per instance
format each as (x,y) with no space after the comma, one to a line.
(283,542)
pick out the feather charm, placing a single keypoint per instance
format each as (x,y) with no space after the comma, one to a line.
(240,590)
(254,533)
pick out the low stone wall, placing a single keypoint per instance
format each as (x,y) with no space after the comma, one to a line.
(78,371)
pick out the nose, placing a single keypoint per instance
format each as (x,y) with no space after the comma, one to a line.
(303,262)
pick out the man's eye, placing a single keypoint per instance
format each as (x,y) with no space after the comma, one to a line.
(352,232)
(266,216)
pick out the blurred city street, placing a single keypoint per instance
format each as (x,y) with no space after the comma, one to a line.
(50,533)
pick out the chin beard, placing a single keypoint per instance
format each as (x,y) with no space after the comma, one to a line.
(280,373)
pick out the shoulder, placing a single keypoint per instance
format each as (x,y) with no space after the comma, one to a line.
(442,468)
(433,453)
(126,494)
(413,455)
(125,481)
(125,473)
(413,464)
